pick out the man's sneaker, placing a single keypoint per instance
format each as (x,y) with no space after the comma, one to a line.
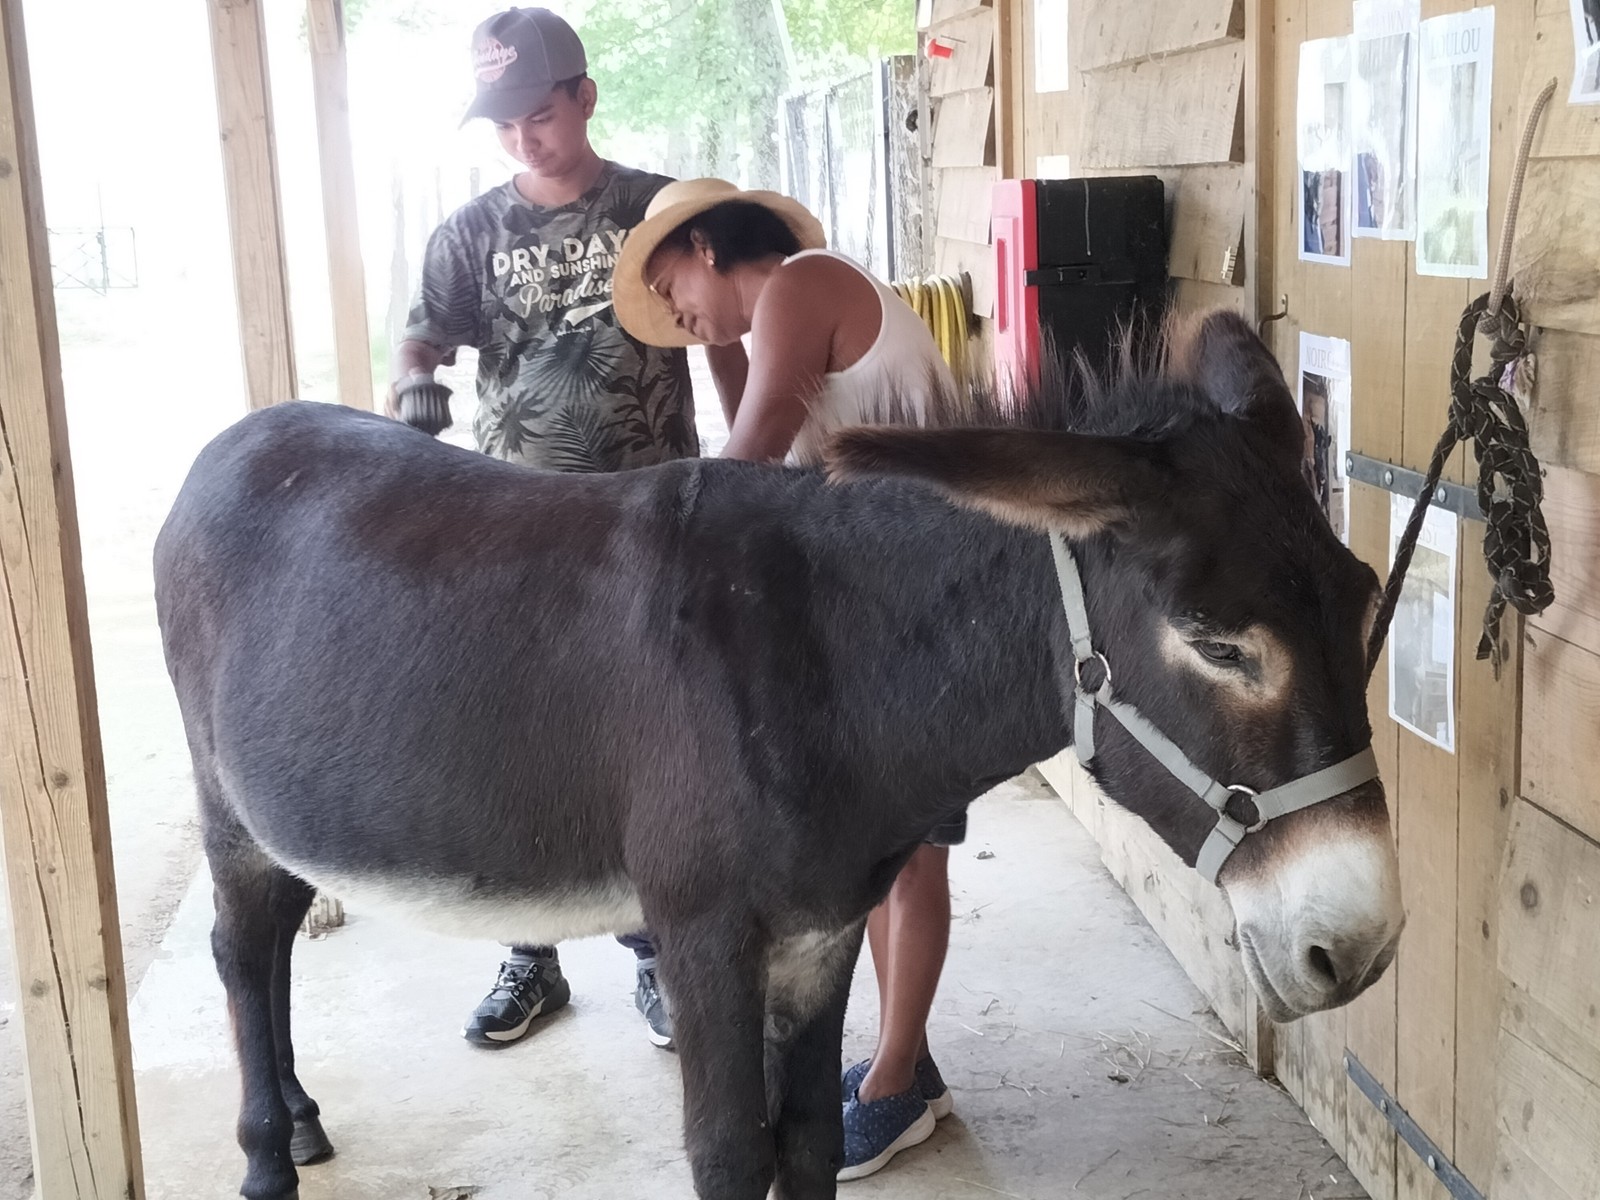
(651,1001)
(525,989)
(929,1082)
(876,1130)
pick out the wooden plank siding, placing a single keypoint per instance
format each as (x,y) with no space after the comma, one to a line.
(1486,1028)
(1144,100)
(347,280)
(72,992)
(255,209)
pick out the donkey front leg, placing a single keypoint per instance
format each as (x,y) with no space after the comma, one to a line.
(714,977)
(244,943)
(808,989)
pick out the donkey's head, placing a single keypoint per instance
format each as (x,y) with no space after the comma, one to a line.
(1230,617)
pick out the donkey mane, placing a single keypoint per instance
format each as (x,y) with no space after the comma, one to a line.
(1145,392)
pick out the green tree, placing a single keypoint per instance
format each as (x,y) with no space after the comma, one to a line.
(708,75)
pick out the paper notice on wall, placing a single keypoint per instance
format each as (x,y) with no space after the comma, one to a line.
(1422,639)
(1453,95)
(1052,166)
(1050,73)
(1384,118)
(1586,52)
(1323,148)
(1324,400)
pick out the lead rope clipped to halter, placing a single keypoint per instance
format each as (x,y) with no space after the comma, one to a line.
(1516,544)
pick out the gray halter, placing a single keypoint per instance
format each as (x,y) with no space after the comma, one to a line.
(1229,830)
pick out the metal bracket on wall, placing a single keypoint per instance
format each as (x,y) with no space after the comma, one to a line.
(1457,1184)
(1453,497)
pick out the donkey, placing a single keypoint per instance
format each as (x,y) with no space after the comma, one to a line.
(726,702)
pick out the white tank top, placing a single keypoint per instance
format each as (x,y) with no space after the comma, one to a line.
(894,382)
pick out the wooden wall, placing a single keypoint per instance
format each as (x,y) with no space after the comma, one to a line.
(1157,87)
(1547,1095)
(1483,1028)
(1487,1028)
(963,169)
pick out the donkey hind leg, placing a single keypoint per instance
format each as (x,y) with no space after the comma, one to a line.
(713,973)
(253,897)
(291,900)
(808,987)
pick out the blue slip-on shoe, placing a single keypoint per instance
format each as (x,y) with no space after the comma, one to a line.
(875,1131)
(929,1082)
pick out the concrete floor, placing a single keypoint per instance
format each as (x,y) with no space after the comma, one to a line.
(1083,1062)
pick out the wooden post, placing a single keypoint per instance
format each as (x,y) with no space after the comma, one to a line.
(1007,135)
(255,211)
(57,839)
(1260,90)
(346,276)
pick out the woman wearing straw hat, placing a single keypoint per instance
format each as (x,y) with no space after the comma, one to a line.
(829,346)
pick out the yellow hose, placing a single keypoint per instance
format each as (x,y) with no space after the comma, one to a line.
(940,303)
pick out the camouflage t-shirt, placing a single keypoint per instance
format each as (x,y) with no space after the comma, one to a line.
(561,386)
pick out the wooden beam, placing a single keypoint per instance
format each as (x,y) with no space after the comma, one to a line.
(255,208)
(57,838)
(1207,207)
(1259,150)
(1003,133)
(1124,33)
(1564,423)
(971,61)
(1561,714)
(965,127)
(966,199)
(1572,511)
(347,278)
(1549,1096)
(1167,112)
(1557,255)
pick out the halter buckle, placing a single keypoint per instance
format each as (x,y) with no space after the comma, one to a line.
(1250,793)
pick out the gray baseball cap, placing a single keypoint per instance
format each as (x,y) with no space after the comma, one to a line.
(519,56)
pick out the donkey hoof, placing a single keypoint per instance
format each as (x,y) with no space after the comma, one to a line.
(309,1144)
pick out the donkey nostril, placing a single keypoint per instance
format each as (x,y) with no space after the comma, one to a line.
(1322,966)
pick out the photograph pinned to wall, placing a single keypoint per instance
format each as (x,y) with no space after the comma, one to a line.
(1586,52)
(1457,71)
(1050,72)
(1422,639)
(1384,118)
(1324,401)
(1323,150)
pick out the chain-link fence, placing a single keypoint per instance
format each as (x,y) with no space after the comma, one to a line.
(97,259)
(850,155)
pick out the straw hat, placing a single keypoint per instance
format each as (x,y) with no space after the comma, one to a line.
(646,315)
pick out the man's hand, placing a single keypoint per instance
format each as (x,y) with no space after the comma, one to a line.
(420,401)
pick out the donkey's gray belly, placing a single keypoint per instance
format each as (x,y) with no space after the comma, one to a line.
(464,907)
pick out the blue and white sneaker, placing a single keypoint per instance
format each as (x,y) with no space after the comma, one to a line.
(929,1082)
(875,1131)
(525,989)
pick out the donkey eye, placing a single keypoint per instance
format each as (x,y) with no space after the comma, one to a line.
(1222,653)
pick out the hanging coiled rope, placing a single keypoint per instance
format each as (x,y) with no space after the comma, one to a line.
(1483,411)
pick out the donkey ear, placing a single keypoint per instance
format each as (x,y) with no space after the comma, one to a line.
(1221,355)
(1071,482)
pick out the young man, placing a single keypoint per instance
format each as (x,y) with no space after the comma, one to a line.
(523,275)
